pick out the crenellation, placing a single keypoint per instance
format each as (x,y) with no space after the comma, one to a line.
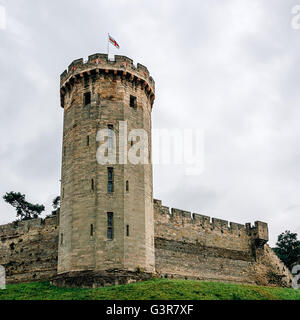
(201,220)
(124,61)
(259,233)
(120,67)
(165,210)
(93,57)
(26,225)
(157,203)
(75,63)
(177,214)
(64,74)
(220,224)
(236,227)
(141,68)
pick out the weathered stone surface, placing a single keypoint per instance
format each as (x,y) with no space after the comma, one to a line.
(94,279)
(193,251)
(28,249)
(110,84)
(197,247)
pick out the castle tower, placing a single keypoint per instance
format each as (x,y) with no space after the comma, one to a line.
(106,215)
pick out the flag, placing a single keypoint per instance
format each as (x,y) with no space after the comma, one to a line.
(113,41)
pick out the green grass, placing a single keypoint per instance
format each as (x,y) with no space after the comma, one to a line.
(150,290)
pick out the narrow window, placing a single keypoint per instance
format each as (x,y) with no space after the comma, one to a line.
(63,192)
(61,239)
(127,230)
(65,151)
(131,142)
(127,185)
(110,225)
(87,140)
(86,81)
(110,180)
(110,136)
(92,230)
(132,102)
(92,185)
(87,98)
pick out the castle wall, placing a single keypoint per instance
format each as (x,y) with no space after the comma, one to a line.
(28,249)
(195,246)
(269,269)
(186,246)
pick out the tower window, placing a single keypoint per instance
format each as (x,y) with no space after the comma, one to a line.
(87,98)
(92,230)
(65,151)
(127,230)
(92,185)
(110,136)
(110,225)
(110,180)
(132,101)
(87,140)
(61,239)
(86,81)
(127,185)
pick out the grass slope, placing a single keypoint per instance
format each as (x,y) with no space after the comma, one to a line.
(160,289)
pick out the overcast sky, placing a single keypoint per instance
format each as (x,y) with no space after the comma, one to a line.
(230,68)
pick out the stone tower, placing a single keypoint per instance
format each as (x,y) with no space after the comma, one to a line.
(106,216)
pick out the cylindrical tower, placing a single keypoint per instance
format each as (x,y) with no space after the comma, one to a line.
(106,215)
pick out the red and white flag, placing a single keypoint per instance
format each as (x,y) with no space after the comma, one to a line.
(113,41)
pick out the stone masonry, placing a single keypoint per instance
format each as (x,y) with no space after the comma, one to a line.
(186,246)
(110,229)
(117,91)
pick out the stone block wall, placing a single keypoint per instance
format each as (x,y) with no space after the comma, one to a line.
(187,245)
(28,249)
(195,246)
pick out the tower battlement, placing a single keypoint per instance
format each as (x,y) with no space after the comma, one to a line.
(120,68)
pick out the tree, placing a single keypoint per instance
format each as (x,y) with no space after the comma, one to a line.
(288,249)
(56,205)
(25,210)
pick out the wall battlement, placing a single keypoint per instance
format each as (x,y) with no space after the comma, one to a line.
(99,63)
(186,246)
(27,225)
(259,231)
(200,247)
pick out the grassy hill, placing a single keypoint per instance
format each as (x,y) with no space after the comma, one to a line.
(150,290)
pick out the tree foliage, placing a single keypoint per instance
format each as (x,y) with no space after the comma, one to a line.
(288,249)
(25,210)
(56,205)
